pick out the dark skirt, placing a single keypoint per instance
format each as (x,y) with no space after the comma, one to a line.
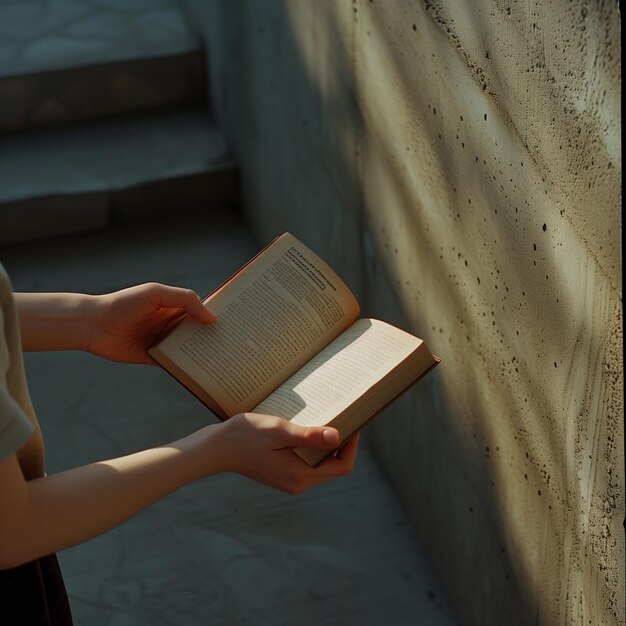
(33,594)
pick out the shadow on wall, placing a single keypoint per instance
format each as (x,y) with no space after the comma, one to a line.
(473,224)
(432,261)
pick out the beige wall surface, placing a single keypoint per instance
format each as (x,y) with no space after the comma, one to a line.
(459,164)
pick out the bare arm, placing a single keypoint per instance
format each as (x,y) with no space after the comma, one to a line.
(54,512)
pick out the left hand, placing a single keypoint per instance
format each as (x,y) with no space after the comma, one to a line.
(260,447)
(126,323)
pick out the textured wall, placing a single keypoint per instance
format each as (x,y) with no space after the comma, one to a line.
(459,163)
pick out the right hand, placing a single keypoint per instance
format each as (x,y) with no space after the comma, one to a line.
(258,446)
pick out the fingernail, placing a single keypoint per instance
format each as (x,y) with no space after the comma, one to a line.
(330,437)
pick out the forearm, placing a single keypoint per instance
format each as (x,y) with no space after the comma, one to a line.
(51,513)
(64,509)
(54,321)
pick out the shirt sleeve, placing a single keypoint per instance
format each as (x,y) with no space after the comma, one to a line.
(15,427)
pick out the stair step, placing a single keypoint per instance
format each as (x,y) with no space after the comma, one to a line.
(79,94)
(62,62)
(39,35)
(67,180)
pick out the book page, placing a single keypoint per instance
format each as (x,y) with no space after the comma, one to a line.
(341,373)
(272,317)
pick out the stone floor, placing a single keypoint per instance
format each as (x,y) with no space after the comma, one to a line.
(223,551)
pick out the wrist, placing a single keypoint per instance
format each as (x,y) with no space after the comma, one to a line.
(81,316)
(74,320)
(201,451)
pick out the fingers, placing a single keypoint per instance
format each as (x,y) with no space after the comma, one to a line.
(295,435)
(178,298)
(339,464)
(325,438)
(286,434)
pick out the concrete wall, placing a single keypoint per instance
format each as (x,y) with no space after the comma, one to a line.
(459,163)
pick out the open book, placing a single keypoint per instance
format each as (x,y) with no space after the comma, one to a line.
(287,342)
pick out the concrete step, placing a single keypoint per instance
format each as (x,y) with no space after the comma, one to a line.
(39,35)
(67,61)
(67,180)
(78,94)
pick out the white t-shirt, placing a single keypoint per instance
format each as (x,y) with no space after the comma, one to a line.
(19,430)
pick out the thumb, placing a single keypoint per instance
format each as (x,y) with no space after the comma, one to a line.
(186,299)
(313,437)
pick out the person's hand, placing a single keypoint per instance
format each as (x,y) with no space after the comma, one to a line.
(258,446)
(125,323)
